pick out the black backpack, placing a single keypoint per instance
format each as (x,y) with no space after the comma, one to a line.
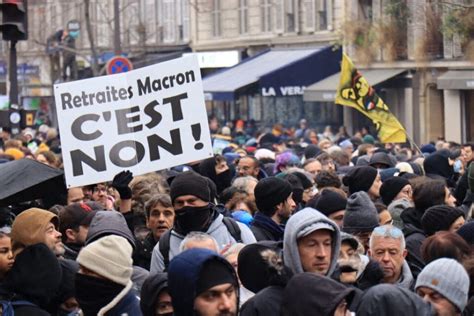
(164,243)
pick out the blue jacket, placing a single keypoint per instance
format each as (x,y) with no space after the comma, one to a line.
(183,275)
(125,303)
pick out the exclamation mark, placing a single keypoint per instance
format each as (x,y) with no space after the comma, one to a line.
(196,129)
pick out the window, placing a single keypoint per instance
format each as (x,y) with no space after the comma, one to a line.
(149,18)
(309,13)
(322,14)
(184,21)
(243,16)
(279,15)
(216,18)
(290,16)
(266,15)
(169,34)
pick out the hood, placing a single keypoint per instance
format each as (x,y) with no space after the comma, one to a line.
(304,220)
(109,223)
(36,275)
(411,216)
(406,279)
(151,288)
(438,164)
(390,300)
(321,295)
(183,276)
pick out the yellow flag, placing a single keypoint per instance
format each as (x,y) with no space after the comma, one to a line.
(356,92)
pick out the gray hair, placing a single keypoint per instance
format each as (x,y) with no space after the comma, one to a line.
(241,183)
(196,236)
(234,249)
(388,231)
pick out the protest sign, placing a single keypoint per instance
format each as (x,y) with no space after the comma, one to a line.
(144,120)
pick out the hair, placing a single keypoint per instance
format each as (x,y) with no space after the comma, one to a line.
(327,179)
(162,199)
(363,148)
(234,249)
(241,183)
(255,160)
(429,193)
(323,157)
(380,207)
(196,236)
(51,157)
(308,161)
(341,158)
(469,144)
(389,232)
(445,244)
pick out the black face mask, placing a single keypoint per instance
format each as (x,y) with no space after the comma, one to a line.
(190,218)
(93,293)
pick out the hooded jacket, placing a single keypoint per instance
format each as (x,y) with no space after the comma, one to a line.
(414,237)
(217,229)
(303,223)
(183,276)
(151,288)
(315,295)
(391,300)
(35,277)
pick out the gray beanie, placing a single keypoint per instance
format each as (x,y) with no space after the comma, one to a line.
(396,208)
(447,277)
(361,214)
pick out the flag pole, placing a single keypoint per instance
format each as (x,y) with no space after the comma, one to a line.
(412,143)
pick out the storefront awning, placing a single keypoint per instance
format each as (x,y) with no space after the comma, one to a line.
(325,90)
(275,72)
(457,80)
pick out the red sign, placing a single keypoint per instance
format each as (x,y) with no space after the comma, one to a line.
(118,64)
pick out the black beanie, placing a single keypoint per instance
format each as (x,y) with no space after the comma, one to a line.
(391,187)
(296,186)
(439,217)
(360,178)
(214,272)
(311,151)
(190,183)
(270,192)
(328,202)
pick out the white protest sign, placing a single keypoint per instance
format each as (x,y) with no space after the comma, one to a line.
(144,120)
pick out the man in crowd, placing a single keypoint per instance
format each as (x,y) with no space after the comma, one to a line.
(203,283)
(364,178)
(248,166)
(311,243)
(36,226)
(190,196)
(273,197)
(159,218)
(445,284)
(387,246)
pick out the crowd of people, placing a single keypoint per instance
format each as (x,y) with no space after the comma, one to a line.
(284,221)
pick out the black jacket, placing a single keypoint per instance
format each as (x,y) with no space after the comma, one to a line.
(266,302)
(414,237)
(151,288)
(264,228)
(143,251)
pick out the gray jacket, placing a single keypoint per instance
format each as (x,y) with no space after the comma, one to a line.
(301,224)
(218,230)
(406,278)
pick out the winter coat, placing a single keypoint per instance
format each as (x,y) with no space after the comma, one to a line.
(151,288)
(414,237)
(142,254)
(217,229)
(264,228)
(265,302)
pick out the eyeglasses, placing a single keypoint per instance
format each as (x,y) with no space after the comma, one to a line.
(388,231)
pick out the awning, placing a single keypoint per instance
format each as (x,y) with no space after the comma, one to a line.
(456,80)
(325,90)
(275,72)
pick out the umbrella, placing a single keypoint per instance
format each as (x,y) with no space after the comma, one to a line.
(27,179)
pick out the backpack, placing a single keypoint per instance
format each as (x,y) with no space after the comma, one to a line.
(164,243)
(7,307)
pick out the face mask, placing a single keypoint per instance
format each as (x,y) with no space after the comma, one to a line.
(190,218)
(457,166)
(93,293)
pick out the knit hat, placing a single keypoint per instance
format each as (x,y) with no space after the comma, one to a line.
(106,223)
(328,202)
(447,277)
(395,209)
(360,178)
(388,173)
(467,232)
(439,217)
(428,148)
(311,151)
(368,139)
(391,187)
(361,214)
(270,192)
(189,183)
(29,227)
(213,273)
(110,257)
